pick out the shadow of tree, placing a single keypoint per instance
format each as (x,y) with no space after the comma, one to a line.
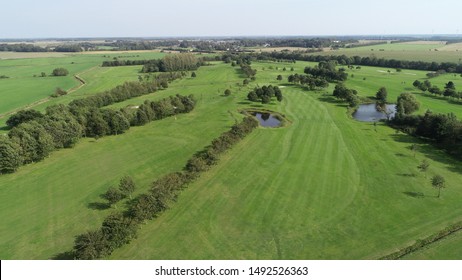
(414,194)
(69,255)
(98,206)
(406,174)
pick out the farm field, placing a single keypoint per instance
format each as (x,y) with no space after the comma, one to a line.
(415,51)
(324,187)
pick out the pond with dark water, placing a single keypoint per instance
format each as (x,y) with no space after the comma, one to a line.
(267,119)
(369,113)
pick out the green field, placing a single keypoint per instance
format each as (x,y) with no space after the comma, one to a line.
(414,51)
(446,249)
(324,187)
(23,89)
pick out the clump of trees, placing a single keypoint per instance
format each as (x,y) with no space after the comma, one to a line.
(327,70)
(308,81)
(60,72)
(349,95)
(444,130)
(120,228)
(58,92)
(264,94)
(406,104)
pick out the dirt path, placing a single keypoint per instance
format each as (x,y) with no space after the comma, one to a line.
(44,100)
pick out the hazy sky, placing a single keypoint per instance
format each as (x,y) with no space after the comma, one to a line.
(137,18)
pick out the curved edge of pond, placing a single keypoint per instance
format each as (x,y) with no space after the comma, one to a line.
(281,118)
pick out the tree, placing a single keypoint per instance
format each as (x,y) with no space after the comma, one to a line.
(113,195)
(23,116)
(227,92)
(193,75)
(60,72)
(408,103)
(438,182)
(10,158)
(252,96)
(381,95)
(279,78)
(423,167)
(127,186)
(91,245)
(417,83)
(245,82)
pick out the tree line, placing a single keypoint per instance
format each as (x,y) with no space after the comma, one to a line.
(449,67)
(448,91)
(169,63)
(120,228)
(34,135)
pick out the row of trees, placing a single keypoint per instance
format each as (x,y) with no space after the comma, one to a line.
(308,80)
(448,91)
(450,67)
(35,136)
(169,63)
(264,94)
(120,228)
(128,90)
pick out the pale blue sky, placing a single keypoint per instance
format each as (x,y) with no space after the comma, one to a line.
(137,18)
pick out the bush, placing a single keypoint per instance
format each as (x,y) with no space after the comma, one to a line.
(60,72)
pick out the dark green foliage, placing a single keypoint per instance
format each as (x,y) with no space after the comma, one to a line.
(193,75)
(309,81)
(444,130)
(381,95)
(342,92)
(326,70)
(91,245)
(35,142)
(118,230)
(127,185)
(279,78)
(10,157)
(227,92)
(60,72)
(22,117)
(247,70)
(408,103)
(264,94)
(438,182)
(113,195)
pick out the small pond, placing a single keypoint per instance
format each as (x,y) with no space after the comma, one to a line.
(267,119)
(368,113)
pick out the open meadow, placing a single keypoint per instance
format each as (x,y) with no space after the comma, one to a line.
(323,187)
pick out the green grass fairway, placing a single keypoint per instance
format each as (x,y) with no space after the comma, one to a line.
(324,187)
(418,51)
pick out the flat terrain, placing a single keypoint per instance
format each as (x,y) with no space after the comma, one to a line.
(420,51)
(324,187)
(23,89)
